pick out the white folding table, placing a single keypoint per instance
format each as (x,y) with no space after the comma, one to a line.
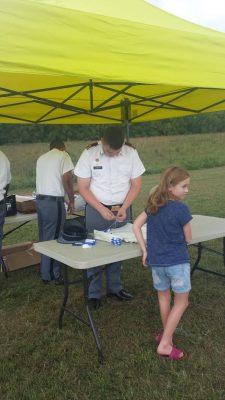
(83,258)
(204,228)
(21,219)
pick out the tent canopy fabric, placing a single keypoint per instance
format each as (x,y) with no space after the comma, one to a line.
(99,61)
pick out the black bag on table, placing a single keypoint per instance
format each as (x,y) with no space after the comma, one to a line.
(10,204)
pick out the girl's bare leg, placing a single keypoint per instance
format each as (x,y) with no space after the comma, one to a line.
(173,319)
(164,305)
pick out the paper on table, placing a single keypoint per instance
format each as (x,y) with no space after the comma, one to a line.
(125,233)
(23,198)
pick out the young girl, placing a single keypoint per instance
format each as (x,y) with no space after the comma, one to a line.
(168,232)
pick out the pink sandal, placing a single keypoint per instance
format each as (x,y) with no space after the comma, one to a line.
(175,354)
(158,338)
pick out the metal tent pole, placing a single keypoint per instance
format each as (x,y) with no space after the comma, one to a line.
(125,116)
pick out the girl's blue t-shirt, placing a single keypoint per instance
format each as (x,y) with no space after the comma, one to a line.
(166,245)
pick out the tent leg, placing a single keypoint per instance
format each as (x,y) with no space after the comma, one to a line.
(125,116)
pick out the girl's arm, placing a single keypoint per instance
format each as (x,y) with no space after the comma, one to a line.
(138,223)
(187,232)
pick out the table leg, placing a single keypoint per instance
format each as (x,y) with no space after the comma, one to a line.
(66,294)
(195,266)
(90,322)
(224,251)
(201,247)
(14,229)
(4,268)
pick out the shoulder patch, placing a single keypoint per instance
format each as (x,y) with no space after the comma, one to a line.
(91,145)
(130,145)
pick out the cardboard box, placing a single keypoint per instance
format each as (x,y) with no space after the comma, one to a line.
(20,255)
(25,204)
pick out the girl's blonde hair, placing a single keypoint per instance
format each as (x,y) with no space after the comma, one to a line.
(161,195)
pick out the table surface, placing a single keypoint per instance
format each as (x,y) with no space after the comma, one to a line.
(19,218)
(79,258)
(203,228)
(207,228)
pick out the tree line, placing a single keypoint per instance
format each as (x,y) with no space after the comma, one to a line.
(23,133)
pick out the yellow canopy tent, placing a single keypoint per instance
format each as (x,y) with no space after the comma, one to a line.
(105,61)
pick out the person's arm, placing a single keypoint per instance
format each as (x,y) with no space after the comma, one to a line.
(85,192)
(135,189)
(187,232)
(138,223)
(68,186)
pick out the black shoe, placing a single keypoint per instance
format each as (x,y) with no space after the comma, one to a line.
(45,281)
(121,295)
(94,304)
(59,281)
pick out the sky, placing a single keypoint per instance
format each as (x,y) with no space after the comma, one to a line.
(209,13)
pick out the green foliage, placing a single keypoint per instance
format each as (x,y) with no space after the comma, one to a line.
(23,133)
(202,123)
(45,133)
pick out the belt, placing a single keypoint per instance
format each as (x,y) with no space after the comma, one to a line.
(114,207)
(52,198)
(2,202)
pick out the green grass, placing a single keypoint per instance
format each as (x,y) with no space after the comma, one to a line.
(193,152)
(40,362)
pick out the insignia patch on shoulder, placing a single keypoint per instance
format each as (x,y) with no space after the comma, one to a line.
(92,145)
(130,145)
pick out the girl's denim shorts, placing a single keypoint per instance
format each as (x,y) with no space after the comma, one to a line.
(176,277)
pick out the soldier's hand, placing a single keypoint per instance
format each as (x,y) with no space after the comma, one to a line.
(107,214)
(71,207)
(121,215)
